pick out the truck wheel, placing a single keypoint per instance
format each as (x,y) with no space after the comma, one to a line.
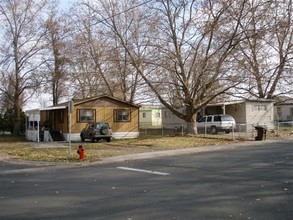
(92,139)
(81,138)
(108,139)
(214,130)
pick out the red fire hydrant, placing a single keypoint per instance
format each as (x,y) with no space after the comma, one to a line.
(81,152)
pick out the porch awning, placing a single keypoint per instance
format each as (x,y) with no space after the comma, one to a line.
(53,108)
(225,103)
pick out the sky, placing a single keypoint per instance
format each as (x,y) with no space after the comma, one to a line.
(65,4)
(43,100)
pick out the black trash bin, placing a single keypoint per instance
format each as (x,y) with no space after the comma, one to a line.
(261,133)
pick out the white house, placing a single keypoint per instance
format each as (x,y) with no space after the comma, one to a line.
(33,130)
(150,116)
(171,121)
(247,113)
(32,125)
(283,109)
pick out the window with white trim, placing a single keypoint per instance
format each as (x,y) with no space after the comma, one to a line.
(86,115)
(121,115)
(157,115)
(259,108)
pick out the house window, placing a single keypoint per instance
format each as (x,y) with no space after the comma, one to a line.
(121,115)
(259,108)
(157,115)
(144,115)
(86,115)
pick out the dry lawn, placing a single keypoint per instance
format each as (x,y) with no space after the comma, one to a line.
(58,152)
(19,148)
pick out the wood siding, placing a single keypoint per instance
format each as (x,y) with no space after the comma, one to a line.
(104,111)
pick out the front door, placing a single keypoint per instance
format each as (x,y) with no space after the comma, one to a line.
(52,119)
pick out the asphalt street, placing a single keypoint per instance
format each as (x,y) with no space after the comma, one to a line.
(253,181)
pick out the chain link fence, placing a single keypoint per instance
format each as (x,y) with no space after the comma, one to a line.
(284,129)
(241,131)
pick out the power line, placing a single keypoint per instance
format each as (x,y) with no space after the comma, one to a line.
(112,16)
(122,12)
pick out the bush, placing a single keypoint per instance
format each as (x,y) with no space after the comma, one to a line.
(7,121)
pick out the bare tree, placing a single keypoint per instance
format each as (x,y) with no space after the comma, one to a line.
(266,59)
(104,67)
(126,76)
(91,73)
(180,48)
(57,58)
(21,44)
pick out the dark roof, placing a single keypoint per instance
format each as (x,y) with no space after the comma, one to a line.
(81,101)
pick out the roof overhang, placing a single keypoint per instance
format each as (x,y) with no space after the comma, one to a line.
(226,103)
(31,111)
(53,108)
(239,102)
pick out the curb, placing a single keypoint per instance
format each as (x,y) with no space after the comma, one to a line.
(147,155)
(185,151)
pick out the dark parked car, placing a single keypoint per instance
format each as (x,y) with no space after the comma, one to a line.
(96,131)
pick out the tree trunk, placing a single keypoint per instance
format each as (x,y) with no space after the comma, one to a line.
(16,128)
(191,123)
(191,128)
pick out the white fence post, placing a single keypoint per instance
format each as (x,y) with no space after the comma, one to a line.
(233,132)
